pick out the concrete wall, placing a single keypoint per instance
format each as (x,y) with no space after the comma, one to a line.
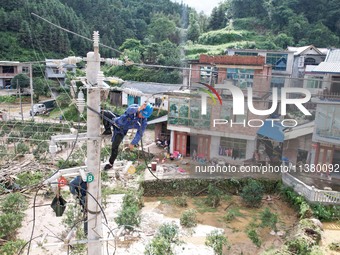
(290,147)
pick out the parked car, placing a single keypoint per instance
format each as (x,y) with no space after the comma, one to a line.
(38,109)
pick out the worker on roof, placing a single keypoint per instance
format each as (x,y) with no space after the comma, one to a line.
(135,117)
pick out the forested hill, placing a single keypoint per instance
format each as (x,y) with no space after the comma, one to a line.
(160,25)
(23,36)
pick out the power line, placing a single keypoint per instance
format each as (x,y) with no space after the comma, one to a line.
(74,33)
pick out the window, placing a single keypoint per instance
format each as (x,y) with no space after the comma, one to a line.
(179,111)
(133,100)
(187,112)
(314,82)
(233,147)
(198,120)
(227,113)
(56,70)
(327,121)
(240,53)
(8,69)
(25,69)
(278,61)
(208,73)
(241,78)
(158,102)
(310,61)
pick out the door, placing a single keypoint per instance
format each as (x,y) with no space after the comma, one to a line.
(133,100)
(325,158)
(203,147)
(181,142)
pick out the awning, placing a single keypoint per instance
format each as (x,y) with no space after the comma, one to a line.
(272,130)
(158,120)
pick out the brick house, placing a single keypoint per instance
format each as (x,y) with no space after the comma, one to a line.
(194,133)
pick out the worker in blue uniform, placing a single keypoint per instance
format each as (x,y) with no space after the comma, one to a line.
(135,117)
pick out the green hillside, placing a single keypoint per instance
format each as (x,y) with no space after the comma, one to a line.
(154,24)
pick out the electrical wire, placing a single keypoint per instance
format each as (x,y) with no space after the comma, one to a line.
(113,123)
(74,33)
(33,227)
(23,247)
(34,214)
(41,184)
(154,66)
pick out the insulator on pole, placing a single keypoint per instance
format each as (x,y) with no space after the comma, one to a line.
(72,60)
(81,102)
(114,62)
(133,92)
(100,79)
(96,39)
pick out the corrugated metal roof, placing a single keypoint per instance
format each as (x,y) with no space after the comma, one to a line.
(327,67)
(333,56)
(151,87)
(158,120)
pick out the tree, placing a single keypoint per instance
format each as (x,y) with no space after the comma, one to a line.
(21,80)
(216,240)
(63,100)
(252,193)
(168,54)
(214,21)
(133,55)
(218,18)
(164,241)
(203,22)
(41,87)
(150,53)
(248,8)
(283,40)
(321,36)
(298,27)
(131,44)
(161,28)
(193,29)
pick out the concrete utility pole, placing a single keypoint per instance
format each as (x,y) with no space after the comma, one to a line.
(94,217)
(31,86)
(21,113)
(90,173)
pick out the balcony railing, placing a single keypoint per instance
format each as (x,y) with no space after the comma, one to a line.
(311,194)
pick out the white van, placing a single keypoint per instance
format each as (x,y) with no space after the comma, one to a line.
(38,109)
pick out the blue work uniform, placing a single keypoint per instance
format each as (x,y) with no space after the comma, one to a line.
(128,120)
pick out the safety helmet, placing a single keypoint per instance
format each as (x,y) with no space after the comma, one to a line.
(147,111)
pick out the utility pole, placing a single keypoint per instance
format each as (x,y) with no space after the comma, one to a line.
(94,217)
(21,113)
(94,84)
(31,86)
